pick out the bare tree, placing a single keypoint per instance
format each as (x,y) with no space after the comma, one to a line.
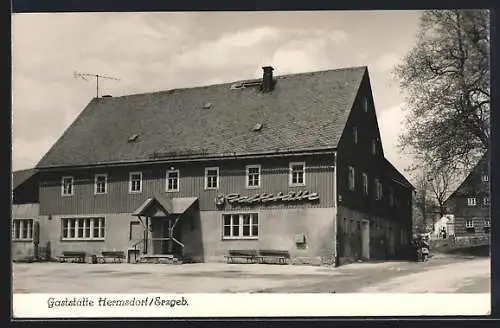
(445,80)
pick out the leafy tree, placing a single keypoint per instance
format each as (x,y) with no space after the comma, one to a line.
(445,79)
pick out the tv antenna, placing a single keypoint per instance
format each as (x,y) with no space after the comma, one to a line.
(87,76)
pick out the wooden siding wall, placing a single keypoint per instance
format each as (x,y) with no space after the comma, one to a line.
(359,155)
(232,179)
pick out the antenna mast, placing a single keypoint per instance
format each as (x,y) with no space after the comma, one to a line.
(86,76)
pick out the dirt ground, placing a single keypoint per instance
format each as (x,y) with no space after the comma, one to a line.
(440,274)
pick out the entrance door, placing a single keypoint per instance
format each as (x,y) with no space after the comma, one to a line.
(172,236)
(365,239)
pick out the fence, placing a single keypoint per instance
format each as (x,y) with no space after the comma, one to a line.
(462,241)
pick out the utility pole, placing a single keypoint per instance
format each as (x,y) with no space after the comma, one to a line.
(86,76)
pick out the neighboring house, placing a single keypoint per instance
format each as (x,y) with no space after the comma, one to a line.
(446,223)
(25,211)
(470,203)
(290,163)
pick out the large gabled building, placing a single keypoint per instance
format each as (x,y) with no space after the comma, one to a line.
(293,163)
(469,204)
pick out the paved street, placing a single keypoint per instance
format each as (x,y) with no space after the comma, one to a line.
(443,273)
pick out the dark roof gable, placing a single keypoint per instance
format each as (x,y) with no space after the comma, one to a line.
(305,111)
(21,176)
(470,183)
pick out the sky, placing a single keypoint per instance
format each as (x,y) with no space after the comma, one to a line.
(154,51)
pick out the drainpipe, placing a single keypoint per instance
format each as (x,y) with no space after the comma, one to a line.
(336,218)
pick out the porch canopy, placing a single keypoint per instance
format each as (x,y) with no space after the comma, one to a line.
(162,207)
(159,205)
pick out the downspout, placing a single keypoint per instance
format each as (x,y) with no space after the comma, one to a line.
(336,217)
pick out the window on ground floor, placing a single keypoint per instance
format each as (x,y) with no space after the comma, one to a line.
(83,228)
(469,226)
(235,226)
(22,229)
(487,225)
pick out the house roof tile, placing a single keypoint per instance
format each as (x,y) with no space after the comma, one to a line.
(304,111)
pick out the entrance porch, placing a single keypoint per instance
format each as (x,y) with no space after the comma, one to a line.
(162,220)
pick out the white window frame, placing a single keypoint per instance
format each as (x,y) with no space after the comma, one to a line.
(101,228)
(487,223)
(97,176)
(485,178)
(379,192)
(213,168)
(471,201)
(240,225)
(247,170)
(486,200)
(355,134)
(22,222)
(72,186)
(351,178)
(366,186)
(130,182)
(467,225)
(167,179)
(290,174)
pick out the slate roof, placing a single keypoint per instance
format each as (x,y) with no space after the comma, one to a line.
(305,111)
(21,176)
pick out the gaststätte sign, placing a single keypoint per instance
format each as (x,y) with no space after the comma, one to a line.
(265,198)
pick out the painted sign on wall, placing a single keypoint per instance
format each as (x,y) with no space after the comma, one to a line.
(265,198)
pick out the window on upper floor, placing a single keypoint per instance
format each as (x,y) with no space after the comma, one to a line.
(351,178)
(355,135)
(365,183)
(253,176)
(471,201)
(67,186)
(100,184)
(297,174)
(378,189)
(135,182)
(374,146)
(485,178)
(391,197)
(364,104)
(486,200)
(211,178)
(172,180)
(22,229)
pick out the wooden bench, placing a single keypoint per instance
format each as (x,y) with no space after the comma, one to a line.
(116,256)
(249,255)
(273,256)
(73,257)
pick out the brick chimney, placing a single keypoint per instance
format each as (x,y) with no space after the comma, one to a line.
(267,79)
